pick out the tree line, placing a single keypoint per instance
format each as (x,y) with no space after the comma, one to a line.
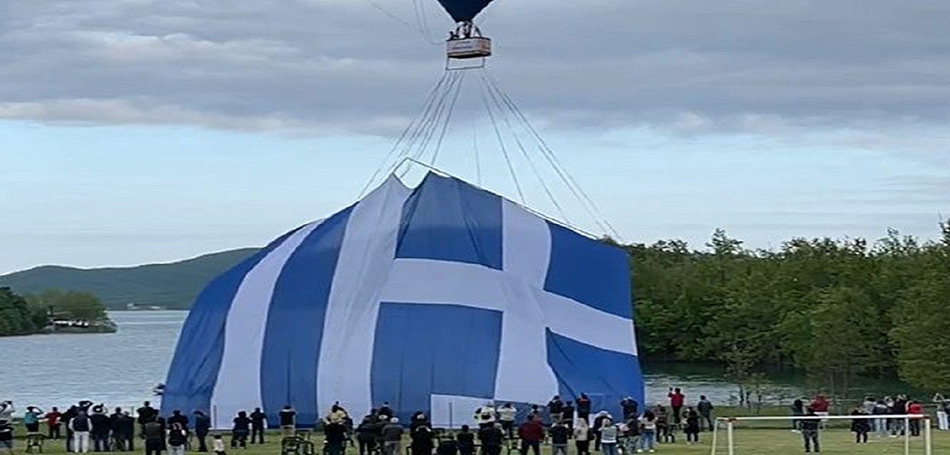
(837,309)
(24,315)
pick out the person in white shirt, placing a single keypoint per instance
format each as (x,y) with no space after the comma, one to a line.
(506,415)
(647,432)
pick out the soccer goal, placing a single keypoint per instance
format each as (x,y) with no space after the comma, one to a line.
(887,435)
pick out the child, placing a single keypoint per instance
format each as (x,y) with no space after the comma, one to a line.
(218,445)
(691,428)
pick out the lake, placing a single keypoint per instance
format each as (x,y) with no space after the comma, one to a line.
(121,368)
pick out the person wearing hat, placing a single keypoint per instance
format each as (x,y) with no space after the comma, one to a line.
(392,437)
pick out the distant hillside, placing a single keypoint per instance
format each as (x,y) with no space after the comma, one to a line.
(173,285)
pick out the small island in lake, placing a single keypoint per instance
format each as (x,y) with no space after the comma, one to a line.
(52,311)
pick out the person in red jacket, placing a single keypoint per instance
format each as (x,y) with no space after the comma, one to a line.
(531,434)
(676,402)
(914,407)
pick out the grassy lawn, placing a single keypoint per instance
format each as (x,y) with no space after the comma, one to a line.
(748,441)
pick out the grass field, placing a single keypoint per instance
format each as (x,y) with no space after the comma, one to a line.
(748,442)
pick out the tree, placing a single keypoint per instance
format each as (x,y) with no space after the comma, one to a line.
(15,315)
(921,324)
(70,305)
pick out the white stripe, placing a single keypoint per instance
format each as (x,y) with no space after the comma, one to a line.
(238,386)
(439,282)
(366,256)
(523,350)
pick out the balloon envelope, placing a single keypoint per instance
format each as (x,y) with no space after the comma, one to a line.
(464,10)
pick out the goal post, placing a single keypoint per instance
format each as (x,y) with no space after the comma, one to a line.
(726,444)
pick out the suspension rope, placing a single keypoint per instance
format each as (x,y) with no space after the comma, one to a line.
(504,150)
(552,158)
(527,156)
(448,118)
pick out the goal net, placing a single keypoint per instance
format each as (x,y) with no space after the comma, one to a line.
(779,435)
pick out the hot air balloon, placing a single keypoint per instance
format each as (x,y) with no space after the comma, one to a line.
(466,41)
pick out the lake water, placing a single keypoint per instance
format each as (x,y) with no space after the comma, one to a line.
(121,368)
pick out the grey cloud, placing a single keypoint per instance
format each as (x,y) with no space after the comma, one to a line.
(773,68)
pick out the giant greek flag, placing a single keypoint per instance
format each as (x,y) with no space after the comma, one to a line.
(439,298)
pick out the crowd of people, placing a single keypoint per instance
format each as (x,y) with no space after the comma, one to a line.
(87,427)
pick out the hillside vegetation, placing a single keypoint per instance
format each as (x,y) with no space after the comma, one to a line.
(172,285)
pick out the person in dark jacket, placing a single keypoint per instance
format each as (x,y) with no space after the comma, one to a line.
(466,441)
(240,430)
(560,434)
(6,436)
(366,435)
(705,408)
(335,437)
(66,418)
(392,436)
(567,416)
(123,430)
(692,426)
(583,407)
(447,446)
(491,438)
(631,408)
(422,443)
(531,434)
(860,425)
(154,438)
(288,422)
(146,414)
(177,438)
(809,428)
(101,428)
(258,424)
(202,428)
(385,410)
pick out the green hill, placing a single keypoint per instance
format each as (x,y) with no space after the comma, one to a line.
(172,285)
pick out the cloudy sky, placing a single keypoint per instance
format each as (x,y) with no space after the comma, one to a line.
(135,131)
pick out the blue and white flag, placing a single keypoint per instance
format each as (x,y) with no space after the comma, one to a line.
(436,299)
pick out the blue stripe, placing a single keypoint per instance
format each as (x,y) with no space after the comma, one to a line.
(421,350)
(294,331)
(447,219)
(605,376)
(194,368)
(589,272)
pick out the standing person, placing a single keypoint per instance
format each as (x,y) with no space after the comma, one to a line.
(386,410)
(258,424)
(366,435)
(647,431)
(942,406)
(880,423)
(66,418)
(31,419)
(154,437)
(421,440)
(101,427)
(335,437)
(583,407)
(898,407)
(582,437)
(52,423)
(676,403)
(6,436)
(146,414)
(608,437)
(798,409)
(692,426)
(595,429)
(705,408)
(466,441)
(202,428)
(568,414)
(506,415)
(448,446)
(914,407)
(288,422)
(809,428)
(491,438)
(664,432)
(177,438)
(631,409)
(555,409)
(240,430)
(630,431)
(560,434)
(179,418)
(123,430)
(392,437)
(859,425)
(80,426)
(531,434)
